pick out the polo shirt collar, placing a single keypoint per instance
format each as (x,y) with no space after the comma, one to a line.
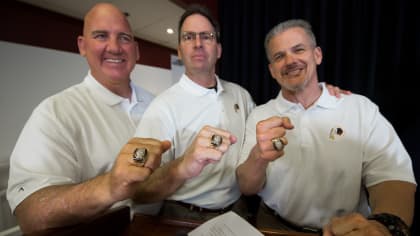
(325,101)
(197,89)
(105,94)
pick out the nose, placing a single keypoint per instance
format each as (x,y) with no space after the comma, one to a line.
(288,58)
(197,42)
(114,45)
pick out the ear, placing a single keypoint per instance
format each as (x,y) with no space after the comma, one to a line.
(219,50)
(81,45)
(179,54)
(137,51)
(271,71)
(318,55)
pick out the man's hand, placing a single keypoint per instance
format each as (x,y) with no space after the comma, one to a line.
(354,224)
(336,91)
(202,152)
(127,173)
(266,132)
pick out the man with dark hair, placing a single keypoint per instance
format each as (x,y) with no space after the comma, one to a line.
(204,118)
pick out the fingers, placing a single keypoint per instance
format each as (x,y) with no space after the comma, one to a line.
(144,152)
(271,138)
(333,90)
(227,136)
(207,135)
(354,224)
(137,160)
(208,147)
(287,123)
(279,143)
(166,144)
(275,122)
(210,144)
(336,91)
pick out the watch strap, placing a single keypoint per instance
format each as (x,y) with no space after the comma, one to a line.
(393,223)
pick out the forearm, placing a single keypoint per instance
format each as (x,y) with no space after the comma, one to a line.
(394,197)
(164,181)
(57,206)
(251,174)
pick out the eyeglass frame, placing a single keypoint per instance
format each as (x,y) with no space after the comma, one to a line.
(211,36)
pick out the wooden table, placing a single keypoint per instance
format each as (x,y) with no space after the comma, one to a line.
(117,223)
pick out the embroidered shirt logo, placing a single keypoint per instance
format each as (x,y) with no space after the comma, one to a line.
(336,132)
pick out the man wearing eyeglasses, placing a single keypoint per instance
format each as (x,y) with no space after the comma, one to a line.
(204,118)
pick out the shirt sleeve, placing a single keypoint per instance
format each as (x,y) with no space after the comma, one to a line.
(43,156)
(250,137)
(385,157)
(156,123)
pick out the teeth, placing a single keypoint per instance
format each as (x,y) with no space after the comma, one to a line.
(294,72)
(114,60)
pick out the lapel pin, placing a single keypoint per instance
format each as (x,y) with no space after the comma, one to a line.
(336,131)
(236,107)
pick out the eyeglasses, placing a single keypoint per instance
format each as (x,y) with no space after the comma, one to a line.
(204,36)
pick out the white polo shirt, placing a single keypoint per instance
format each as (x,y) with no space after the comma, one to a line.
(338,147)
(73,136)
(179,113)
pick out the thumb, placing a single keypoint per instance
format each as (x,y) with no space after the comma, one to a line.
(233,139)
(287,124)
(166,144)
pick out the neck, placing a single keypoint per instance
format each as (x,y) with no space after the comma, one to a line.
(207,80)
(306,96)
(120,89)
(118,86)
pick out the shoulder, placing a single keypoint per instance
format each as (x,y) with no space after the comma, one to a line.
(263,111)
(143,93)
(358,101)
(232,86)
(63,99)
(164,101)
(70,105)
(53,113)
(236,89)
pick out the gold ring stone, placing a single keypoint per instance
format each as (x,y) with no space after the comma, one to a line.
(140,155)
(216,140)
(279,143)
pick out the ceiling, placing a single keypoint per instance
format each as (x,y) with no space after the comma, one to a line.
(148,18)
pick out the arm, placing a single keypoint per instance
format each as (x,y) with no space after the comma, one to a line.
(393,197)
(61,205)
(251,174)
(385,156)
(168,178)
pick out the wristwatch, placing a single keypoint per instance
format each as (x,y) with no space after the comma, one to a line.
(393,223)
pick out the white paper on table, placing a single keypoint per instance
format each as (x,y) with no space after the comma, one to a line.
(228,224)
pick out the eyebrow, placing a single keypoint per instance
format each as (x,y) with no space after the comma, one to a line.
(99,32)
(95,32)
(299,45)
